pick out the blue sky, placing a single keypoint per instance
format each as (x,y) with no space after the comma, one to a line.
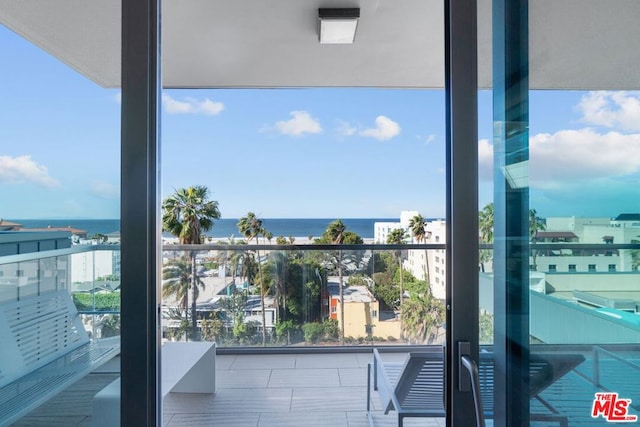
(296,152)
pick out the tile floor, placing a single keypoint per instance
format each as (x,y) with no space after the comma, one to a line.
(297,390)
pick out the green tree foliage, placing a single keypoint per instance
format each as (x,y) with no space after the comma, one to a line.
(386,290)
(535,224)
(485,223)
(380,262)
(486,328)
(284,330)
(104,301)
(108,278)
(417,228)
(281,240)
(326,331)
(358,280)
(251,228)
(485,231)
(313,332)
(398,237)
(187,214)
(296,280)
(234,307)
(178,275)
(336,234)
(212,327)
(422,316)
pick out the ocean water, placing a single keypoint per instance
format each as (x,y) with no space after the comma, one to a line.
(225,227)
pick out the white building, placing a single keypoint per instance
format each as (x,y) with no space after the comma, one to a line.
(381,230)
(88,266)
(623,229)
(417,263)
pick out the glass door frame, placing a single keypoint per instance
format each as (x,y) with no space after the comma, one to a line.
(140,215)
(461,91)
(511,248)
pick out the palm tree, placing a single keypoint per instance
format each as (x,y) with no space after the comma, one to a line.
(187,214)
(535,224)
(417,226)
(335,232)
(635,255)
(177,277)
(485,223)
(485,231)
(421,318)
(397,237)
(251,228)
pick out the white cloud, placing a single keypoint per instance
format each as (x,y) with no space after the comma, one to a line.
(105,190)
(485,160)
(573,156)
(300,123)
(385,129)
(619,110)
(191,106)
(24,169)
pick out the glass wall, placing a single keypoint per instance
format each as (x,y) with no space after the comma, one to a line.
(59,186)
(295,293)
(558,229)
(292,173)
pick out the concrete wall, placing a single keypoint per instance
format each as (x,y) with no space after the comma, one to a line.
(555,321)
(359,314)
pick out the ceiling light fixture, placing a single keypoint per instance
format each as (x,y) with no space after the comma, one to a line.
(338,26)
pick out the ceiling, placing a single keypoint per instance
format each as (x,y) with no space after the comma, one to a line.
(574,44)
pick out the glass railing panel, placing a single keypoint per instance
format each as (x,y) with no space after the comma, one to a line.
(584,324)
(94,289)
(295,292)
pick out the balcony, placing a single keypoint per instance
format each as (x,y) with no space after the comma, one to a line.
(301,380)
(321,389)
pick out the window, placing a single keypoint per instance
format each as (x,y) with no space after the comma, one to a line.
(612,267)
(552,268)
(592,268)
(437,269)
(374,313)
(437,259)
(437,238)
(572,268)
(437,279)
(334,309)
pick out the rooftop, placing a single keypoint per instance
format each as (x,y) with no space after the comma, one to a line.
(352,293)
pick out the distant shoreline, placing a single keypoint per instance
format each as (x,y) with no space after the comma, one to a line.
(224,228)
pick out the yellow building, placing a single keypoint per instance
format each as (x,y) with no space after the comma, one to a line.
(362,316)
